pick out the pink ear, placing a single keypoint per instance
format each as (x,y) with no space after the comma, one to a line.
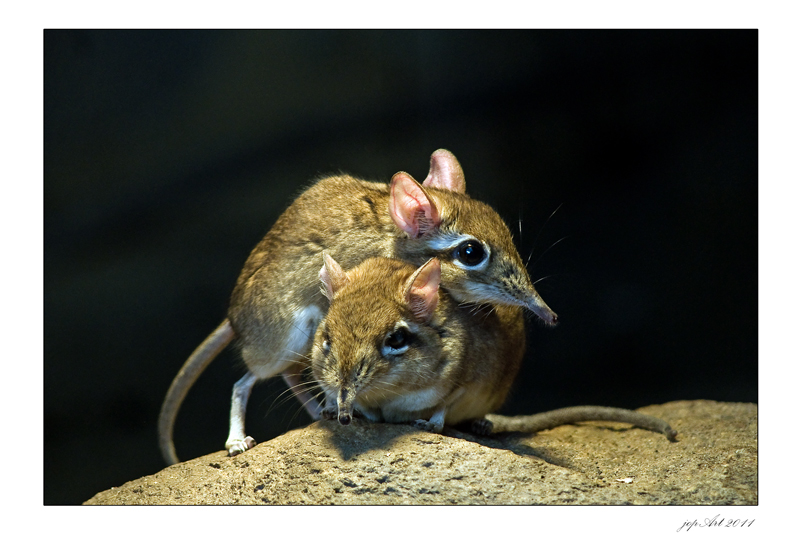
(445,172)
(332,276)
(422,290)
(410,208)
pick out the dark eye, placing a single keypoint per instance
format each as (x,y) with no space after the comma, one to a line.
(397,339)
(326,344)
(396,342)
(470,253)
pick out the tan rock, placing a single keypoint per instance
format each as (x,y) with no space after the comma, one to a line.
(714,461)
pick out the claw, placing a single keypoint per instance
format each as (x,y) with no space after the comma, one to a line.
(481,426)
(239,446)
(428,426)
(329,413)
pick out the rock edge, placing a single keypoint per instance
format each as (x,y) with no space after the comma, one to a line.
(714,462)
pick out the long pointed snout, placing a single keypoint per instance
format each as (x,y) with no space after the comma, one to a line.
(345,406)
(535,303)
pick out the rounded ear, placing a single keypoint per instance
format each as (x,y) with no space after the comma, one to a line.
(445,172)
(421,291)
(411,208)
(332,276)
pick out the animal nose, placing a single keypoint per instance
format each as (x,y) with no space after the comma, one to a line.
(345,405)
(536,304)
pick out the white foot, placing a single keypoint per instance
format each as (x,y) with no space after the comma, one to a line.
(240,445)
(428,426)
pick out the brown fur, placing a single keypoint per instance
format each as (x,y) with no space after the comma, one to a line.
(276,304)
(462,359)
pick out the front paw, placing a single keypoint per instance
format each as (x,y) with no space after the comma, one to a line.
(332,413)
(427,425)
(481,426)
(329,413)
(238,446)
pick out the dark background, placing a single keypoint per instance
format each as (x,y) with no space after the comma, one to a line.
(168,155)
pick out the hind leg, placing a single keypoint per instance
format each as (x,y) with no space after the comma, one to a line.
(237,441)
(297,347)
(289,359)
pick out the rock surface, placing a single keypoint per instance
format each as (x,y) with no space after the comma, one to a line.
(714,461)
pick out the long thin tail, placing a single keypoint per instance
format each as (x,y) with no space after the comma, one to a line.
(582,413)
(188,374)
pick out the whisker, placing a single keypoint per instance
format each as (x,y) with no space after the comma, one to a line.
(545,252)
(539,234)
(282,399)
(543,278)
(313,398)
(291,392)
(303,357)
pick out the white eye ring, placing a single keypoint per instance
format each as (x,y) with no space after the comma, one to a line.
(451,243)
(485,250)
(400,334)
(389,351)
